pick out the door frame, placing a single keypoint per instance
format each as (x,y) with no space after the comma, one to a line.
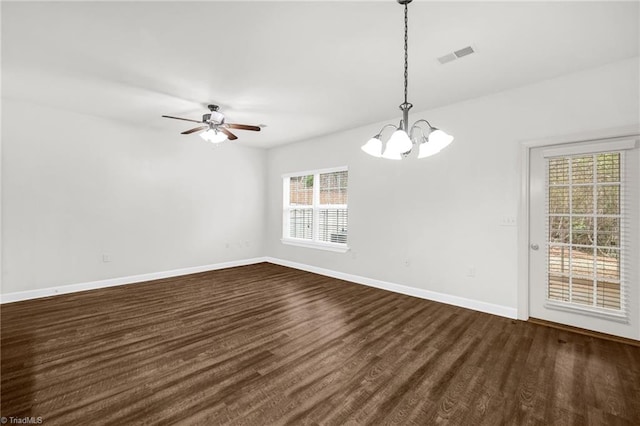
(523,239)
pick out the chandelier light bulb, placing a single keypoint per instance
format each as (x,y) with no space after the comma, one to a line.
(440,139)
(427,150)
(373,147)
(391,154)
(400,142)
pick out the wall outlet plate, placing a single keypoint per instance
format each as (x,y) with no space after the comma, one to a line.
(508,221)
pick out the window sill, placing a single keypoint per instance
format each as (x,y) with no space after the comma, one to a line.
(339,248)
(617,316)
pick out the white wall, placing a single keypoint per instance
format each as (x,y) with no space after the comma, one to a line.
(75,187)
(443,213)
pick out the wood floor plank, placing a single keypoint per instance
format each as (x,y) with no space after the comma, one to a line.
(264,344)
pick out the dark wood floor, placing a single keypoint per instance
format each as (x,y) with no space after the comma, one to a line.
(264,344)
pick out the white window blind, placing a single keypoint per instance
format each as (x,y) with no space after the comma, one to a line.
(301,207)
(315,208)
(588,232)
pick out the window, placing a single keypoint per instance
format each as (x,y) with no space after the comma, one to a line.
(586,227)
(315,210)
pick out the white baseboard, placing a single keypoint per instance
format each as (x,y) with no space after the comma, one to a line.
(475,305)
(132,279)
(490,308)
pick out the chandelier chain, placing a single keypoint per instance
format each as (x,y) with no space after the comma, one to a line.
(406,54)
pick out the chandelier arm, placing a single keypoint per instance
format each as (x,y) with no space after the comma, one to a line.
(415,126)
(422,120)
(384,128)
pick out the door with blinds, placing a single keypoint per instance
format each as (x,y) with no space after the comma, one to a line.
(584,234)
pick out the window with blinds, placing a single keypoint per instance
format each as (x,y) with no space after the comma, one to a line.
(301,207)
(586,230)
(315,207)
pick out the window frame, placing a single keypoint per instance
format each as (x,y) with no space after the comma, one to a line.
(625,247)
(314,242)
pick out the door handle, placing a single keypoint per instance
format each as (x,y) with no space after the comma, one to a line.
(534,246)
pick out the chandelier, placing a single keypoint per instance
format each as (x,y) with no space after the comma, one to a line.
(429,140)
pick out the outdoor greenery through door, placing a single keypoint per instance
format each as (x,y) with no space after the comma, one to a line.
(584,229)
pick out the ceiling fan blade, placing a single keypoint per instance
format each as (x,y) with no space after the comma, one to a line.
(242,127)
(230,135)
(195,129)
(185,119)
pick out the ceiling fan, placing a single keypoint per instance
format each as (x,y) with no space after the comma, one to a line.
(216,130)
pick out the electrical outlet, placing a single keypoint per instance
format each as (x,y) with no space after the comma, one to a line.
(471,271)
(508,221)
(106,258)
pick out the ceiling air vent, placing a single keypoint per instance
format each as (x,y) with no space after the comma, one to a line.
(449,57)
(464,51)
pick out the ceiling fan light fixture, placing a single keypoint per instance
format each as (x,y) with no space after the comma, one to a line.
(213,136)
(402,141)
(214,126)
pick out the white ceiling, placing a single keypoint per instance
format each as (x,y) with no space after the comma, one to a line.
(302,68)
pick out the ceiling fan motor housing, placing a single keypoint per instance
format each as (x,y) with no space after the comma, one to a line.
(214,116)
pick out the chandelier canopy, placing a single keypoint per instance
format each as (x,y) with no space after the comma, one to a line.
(429,140)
